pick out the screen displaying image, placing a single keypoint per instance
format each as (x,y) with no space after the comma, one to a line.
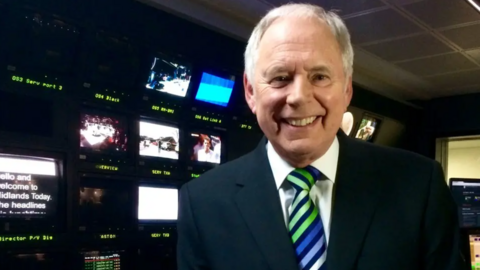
(103,133)
(104,260)
(169,77)
(205,148)
(156,203)
(104,206)
(367,128)
(35,261)
(159,140)
(215,90)
(28,187)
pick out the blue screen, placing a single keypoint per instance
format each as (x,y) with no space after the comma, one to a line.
(215,90)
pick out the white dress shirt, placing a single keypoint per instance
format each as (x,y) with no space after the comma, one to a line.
(321,192)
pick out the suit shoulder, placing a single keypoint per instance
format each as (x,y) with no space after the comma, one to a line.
(390,154)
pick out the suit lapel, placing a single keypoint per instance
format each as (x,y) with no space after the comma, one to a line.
(353,206)
(259,205)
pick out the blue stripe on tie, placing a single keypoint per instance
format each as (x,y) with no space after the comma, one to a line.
(320,238)
(312,234)
(313,226)
(316,256)
(312,256)
(303,218)
(300,177)
(313,172)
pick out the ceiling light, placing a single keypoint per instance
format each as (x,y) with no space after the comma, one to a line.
(475,4)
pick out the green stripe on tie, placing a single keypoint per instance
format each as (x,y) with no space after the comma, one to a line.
(299,214)
(298,182)
(307,175)
(300,197)
(305,225)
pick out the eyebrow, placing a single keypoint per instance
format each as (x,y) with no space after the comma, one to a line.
(320,68)
(275,69)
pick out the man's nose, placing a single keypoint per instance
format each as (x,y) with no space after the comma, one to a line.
(300,91)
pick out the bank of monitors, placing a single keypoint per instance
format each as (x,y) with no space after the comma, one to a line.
(34,261)
(158,140)
(215,90)
(205,148)
(29,190)
(368,128)
(102,133)
(466,193)
(169,76)
(105,205)
(104,260)
(157,204)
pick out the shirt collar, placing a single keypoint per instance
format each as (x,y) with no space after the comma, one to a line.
(326,164)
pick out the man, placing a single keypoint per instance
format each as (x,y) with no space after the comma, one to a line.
(308,198)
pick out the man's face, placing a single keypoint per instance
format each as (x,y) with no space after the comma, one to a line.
(300,90)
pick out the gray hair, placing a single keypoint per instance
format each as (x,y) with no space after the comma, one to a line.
(336,24)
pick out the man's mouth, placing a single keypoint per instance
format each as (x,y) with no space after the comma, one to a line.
(301,122)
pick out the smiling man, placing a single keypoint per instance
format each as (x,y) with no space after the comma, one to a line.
(309,197)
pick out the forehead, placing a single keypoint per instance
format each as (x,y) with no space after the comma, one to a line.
(294,36)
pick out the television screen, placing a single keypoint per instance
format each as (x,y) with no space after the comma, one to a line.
(105,205)
(103,133)
(36,261)
(169,77)
(158,140)
(367,128)
(215,90)
(28,187)
(155,203)
(466,193)
(474,240)
(104,260)
(205,148)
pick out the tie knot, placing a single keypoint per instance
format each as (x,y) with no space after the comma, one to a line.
(304,179)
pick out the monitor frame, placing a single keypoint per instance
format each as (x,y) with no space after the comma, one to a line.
(378,126)
(222,75)
(56,223)
(153,224)
(198,165)
(450,184)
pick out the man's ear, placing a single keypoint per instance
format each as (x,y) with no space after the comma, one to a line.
(249,94)
(348,93)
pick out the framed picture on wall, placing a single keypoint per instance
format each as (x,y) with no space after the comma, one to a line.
(368,127)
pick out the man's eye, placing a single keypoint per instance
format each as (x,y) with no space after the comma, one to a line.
(280,79)
(320,77)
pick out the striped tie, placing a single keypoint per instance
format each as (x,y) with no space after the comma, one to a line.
(305,224)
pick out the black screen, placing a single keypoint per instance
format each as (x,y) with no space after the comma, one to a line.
(13,116)
(105,206)
(36,261)
(28,188)
(103,260)
(467,196)
(102,133)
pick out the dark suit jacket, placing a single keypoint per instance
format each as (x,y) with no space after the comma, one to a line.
(391,210)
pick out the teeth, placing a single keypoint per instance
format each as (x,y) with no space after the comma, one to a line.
(302,122)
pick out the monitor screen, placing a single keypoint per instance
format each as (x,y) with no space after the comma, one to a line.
(105,205)
(474,240)
(28,187)
(104,260)
(169,77)
(466,194)
(157,204)
(205,148)
(102,133)
(367,128)
(158,140)
(36,261)
(215,90)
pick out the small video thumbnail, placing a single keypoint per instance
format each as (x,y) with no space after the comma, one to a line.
(367,128)
(205,148)
(159,140)
(103,134)
(169,77)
